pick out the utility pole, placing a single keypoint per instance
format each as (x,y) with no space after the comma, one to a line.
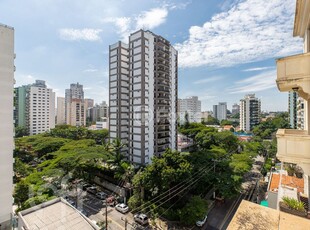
(125,223)
(106,215)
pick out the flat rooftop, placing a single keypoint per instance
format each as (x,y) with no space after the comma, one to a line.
(289,181)
(254,216)
(54,214)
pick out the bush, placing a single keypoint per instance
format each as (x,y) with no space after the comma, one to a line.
(294,204)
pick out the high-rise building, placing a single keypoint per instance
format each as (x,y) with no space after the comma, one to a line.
(292,109)
(191,106)
(75,112)
(220,111)
(99,112)
(41,108)
(250,108)
(35,107)
(7,69)
(235,109)
(143,95)
(61,111)
(89,103)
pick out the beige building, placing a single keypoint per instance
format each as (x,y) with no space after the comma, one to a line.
(61,108)
(75,106)
(7,124)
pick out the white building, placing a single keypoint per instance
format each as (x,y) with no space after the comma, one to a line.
(191,106)
(75,112)
(7,124)
(143,95)
(61,111)
(41,108)
(220,111)
(250,108)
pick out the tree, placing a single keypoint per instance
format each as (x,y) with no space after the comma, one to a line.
(186,118)
(21,192)
(211,121)
(21,131)
(194,210)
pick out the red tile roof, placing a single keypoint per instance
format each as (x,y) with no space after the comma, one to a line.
(289,181)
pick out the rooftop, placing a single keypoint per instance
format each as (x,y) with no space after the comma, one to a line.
(54,214)
(254,216)
(289,181)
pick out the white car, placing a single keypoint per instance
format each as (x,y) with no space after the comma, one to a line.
(123,208)
(200,223)
(141,218)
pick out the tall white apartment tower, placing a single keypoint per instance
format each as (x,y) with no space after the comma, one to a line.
(191,106)
(41,108)
(220,111)
(250,108)
(7,124)
(143,95)
(75,107)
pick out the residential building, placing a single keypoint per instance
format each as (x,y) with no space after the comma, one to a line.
(235,109)
(20,104)
(300,113)
(190,106)
(220,111)
(61,111)
(292,109)
(54,214)
(206,114)
(41,108)
(293,74)
(89,103)
(98,112)
(7,69)
(143,95)
(75,107)
(250,108)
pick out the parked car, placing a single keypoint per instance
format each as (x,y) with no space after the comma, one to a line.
(85,186)
(101,195)
(141,218)
(92,190)
(200,223)
(123,208)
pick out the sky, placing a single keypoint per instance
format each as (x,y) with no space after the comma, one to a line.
(227,48)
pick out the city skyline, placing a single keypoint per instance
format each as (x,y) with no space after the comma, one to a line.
(225,52)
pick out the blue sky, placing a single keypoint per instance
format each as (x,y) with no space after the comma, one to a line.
(227,48)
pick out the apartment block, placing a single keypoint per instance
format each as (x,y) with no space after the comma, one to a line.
(235,109)
(61,111)
(250,109)
(35,107)
(143,95)
(75,106)
(98,112)
(190,106)
(7,69)
(220,111)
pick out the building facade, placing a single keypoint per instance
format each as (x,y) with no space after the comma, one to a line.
(292,109)
(191,106)
(75,106)
(61,111)
(250,109)
(235,109)
(7,69)
(143,95)
(41,108)
(220,111)
(34,107)
(98,112)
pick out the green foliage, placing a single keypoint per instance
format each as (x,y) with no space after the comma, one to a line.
(194,210)
(294,204)
(226,122)
(21,131)
(21,169)
(21,192)
(211,121)
(36,200)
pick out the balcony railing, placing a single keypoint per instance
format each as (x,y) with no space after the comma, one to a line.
(293,146)
(293,73)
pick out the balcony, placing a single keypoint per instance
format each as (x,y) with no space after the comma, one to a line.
(293,146)
(293,73)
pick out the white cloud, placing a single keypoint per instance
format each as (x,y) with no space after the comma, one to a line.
(258,69)
(207,80)
(152,18)
(145,20)
(80,34)
(90,70)
(256,83)
(24,79)
(251,30)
